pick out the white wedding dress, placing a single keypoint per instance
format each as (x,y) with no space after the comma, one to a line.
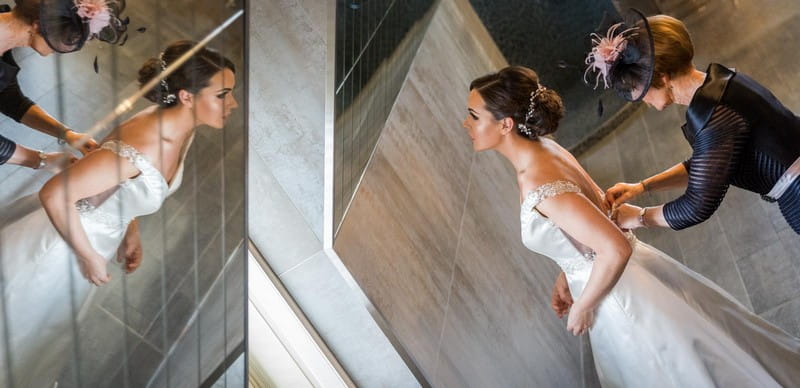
(663,325)
(44,293)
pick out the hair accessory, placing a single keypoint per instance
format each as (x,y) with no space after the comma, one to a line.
(623,56)
(168,98)
(606,52)
(523,127)
(95,13)
(66,25)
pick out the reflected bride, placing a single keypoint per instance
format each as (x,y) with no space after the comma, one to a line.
(52,256)
(651,321)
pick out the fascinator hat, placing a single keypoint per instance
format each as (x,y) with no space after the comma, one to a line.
(67,24)
(622,58)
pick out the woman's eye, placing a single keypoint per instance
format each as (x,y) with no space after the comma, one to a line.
(222,96)
(473,116)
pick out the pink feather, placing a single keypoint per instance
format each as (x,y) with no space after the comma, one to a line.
(95,12)
(606,52)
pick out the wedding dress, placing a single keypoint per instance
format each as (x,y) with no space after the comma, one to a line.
(664,325)
(44,293)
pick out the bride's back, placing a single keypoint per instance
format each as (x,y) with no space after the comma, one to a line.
(554,163)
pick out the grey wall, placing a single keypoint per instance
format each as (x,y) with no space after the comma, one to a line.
(285,172)
(432,236)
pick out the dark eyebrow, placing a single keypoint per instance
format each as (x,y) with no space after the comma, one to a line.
(224,90)
(473,111)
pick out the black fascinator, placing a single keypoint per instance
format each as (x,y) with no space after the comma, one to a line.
(623,58)
(67,24)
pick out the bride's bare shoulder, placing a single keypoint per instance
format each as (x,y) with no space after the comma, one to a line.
(533,180)
(139,131)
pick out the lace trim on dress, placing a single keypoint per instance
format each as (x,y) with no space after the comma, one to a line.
(90,212)
(126,151)
(545,191)
(548,190)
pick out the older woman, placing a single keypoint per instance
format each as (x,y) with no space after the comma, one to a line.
(740,133)
(46,26)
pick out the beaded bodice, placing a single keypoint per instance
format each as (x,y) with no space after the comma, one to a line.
(542,236)
(137,196)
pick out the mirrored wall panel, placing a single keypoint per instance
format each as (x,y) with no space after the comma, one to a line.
(375,44)
(122,229)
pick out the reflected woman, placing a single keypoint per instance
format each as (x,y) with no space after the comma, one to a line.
(45,26)
(740,133)
(88,210)
(651,321)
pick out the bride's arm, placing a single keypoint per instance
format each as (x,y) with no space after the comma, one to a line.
(94,174)
(584,222)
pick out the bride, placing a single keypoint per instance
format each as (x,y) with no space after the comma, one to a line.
(652,322)
(51,257)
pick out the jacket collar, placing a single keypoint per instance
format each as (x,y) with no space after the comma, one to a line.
(708,96)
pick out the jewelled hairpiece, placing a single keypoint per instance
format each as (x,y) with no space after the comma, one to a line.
(523,127)
(606,52)
(168,98)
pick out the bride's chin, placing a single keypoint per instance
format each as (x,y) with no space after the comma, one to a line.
(480,147)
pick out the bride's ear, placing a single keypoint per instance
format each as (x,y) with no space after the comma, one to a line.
(507,125)
(186,98)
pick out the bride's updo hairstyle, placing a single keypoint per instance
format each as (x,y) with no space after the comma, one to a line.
(192,76)
(515,92)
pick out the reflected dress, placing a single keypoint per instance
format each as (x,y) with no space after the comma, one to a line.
(44,292)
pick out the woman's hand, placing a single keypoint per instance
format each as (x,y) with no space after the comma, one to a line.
(93,269)
(627,216)
(56,161)
(623,192)
(580,319)
(73,138)
(130,250)
(561,300)
(53,161)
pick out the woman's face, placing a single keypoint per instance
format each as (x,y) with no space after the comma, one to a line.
(215,102)
(38,43)
(484,130)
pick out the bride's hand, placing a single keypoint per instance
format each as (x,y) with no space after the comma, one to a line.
(561,300)
(130,251)
(94,269)
(580,319)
